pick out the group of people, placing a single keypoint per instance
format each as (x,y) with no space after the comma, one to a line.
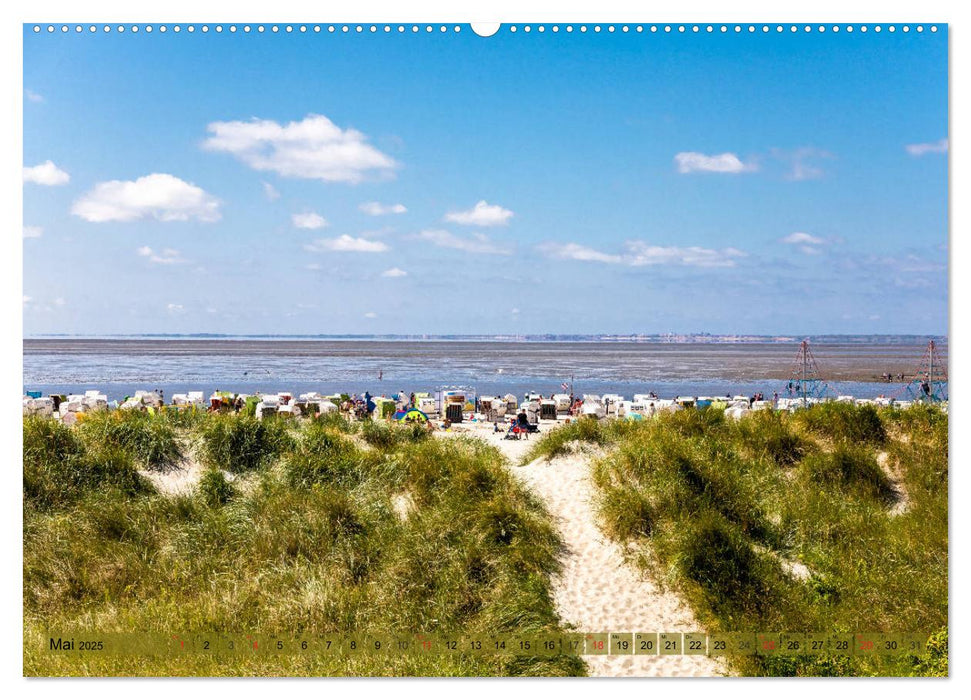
(890,376)
(363,406)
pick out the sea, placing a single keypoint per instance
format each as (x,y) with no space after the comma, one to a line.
(119,366)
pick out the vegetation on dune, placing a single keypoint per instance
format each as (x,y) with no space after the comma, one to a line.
(60,469)
(769,434)
(821,520)
(843,422)
(849,468)
(215,489)
(828,519)
(308,538)
(387,436)
(586,429)
(242,443)
(148,438)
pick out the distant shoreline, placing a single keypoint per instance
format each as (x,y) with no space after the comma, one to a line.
(659,338)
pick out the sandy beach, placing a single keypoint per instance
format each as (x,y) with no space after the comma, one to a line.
(598,590)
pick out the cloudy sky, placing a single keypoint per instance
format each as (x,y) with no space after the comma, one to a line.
(524,183)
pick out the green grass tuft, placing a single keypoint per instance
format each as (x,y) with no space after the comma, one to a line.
(215,489)
(59,469)
(242,443)
(149,439)
(843,422)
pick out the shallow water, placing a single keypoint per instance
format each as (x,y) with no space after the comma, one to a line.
(120,366)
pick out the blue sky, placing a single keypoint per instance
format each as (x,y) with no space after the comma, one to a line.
(448,183)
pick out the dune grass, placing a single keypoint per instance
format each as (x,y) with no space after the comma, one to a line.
(239,443)
(59,469)
(787,522)
(584,430)
(149,439)
(305,539)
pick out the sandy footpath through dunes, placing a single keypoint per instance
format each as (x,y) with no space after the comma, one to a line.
(598,591)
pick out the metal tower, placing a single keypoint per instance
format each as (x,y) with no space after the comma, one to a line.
(804,380)
(930,382)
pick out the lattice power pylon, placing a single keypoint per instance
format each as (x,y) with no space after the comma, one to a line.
(930,382)
(804,380)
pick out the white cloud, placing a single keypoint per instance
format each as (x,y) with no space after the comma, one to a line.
(346,244)
(514,312)
(311,220)
(313,149)
(270,192)
(691,162)
(175,309)
(33,96)
(59,301)
(806,242)
(641,254)
(160,196)
(575,251)
(378,209)
(394,272)
(312,266)
(920,149)
(482,214)
(28,300)
(46,174)
(477,243)
(800,238)
(33,231)
(167,256)
(370,314)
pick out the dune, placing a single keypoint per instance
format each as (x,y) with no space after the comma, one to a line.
(598,590)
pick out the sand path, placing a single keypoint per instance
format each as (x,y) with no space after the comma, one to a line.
(598,591)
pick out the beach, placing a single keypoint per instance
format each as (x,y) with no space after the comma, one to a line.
(120,366)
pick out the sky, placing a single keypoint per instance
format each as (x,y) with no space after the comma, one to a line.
(440,183)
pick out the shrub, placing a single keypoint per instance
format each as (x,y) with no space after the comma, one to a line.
(242,443)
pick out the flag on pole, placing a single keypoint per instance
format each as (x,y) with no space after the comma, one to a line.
(566,387)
